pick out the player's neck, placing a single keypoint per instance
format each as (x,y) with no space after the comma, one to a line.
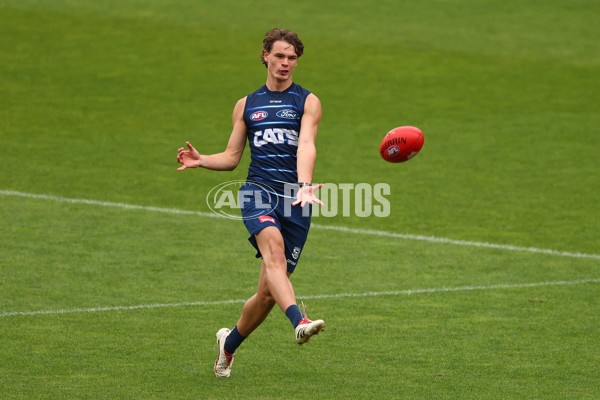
(275,85)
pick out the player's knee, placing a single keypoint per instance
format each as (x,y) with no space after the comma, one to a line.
(265,299)
(268,301)
(275,260)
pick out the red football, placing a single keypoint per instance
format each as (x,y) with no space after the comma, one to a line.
(401,144)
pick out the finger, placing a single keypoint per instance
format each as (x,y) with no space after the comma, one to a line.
(319,186)
(296,202)
(179,150)
(181,168)
(189,145)
(320,202)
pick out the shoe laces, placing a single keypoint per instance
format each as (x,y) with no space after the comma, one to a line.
(305,319)
(228,357)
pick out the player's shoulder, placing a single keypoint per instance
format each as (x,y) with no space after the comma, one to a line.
(240,107)
(241,104)
(313,98)
(299,90)
(312,103)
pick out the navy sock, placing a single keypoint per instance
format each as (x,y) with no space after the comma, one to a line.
(233,341)
(294,314)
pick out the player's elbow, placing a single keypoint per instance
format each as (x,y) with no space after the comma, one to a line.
(233,163)
(232,159)
(231,167)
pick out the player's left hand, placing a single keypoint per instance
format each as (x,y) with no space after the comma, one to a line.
(306,194)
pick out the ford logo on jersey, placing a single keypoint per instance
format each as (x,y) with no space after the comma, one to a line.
(287,114)
(257,116)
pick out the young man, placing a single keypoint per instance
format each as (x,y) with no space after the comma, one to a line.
(280,122)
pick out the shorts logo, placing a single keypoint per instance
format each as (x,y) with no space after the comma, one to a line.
(287,114)
(393,150)
(259,115)
(296,252)
(266,218)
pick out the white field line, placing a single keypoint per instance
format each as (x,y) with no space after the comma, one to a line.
(432,239)
(321,296)
(456,242)
(106,204)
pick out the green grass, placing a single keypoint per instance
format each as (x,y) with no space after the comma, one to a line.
(95,98)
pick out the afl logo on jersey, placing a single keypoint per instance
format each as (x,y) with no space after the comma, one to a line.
(287,114)
(257,116)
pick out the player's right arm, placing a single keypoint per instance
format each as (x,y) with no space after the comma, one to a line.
(225,161)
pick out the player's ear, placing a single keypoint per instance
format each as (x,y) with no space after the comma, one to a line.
(265,54)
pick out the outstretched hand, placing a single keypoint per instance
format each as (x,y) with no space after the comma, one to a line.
(306,194)
(188,158)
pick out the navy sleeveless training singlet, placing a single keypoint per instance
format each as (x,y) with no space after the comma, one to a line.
(273,123)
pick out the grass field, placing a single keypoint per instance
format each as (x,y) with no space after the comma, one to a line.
(483,283)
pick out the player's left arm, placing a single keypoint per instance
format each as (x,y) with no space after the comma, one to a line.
(307,150)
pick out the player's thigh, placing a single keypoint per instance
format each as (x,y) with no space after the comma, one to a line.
(270,244)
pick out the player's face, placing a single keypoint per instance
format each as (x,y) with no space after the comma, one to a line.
(281,60)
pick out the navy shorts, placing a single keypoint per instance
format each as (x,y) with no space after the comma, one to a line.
(262,208)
